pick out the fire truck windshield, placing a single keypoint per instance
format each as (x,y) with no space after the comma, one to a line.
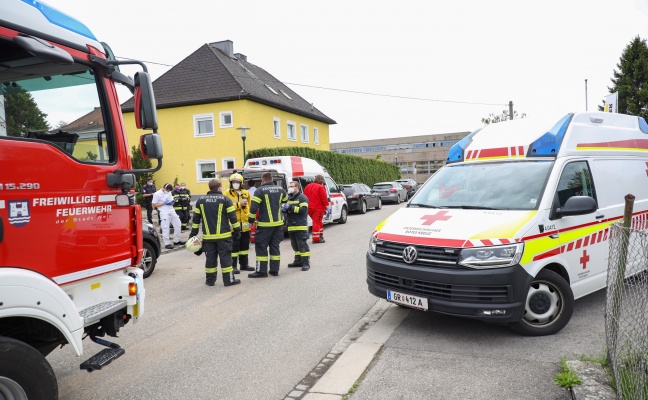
(56,103)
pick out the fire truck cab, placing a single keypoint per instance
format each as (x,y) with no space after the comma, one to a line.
(70,231)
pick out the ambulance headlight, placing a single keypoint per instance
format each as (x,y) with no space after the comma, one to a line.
(491,257)
(373,244)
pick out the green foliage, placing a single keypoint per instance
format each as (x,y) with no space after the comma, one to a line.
(566,378)
(493,119)
(631,79)
(140,162)
(90,156)
(343,168)
(23,114)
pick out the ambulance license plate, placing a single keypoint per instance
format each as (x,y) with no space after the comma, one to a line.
(420,303)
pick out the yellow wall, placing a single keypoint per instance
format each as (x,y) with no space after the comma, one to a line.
(182,149)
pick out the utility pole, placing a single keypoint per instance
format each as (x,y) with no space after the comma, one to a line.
(510,110)
(585,94)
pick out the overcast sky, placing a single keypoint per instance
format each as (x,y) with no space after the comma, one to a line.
(463,59)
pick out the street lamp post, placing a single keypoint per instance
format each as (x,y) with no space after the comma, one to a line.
(243,130)
(396,156)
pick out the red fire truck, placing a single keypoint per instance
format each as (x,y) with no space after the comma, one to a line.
(70,231)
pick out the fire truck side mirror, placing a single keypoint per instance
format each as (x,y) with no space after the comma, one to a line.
(151,145)
(145,112)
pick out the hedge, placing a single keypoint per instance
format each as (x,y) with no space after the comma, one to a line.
(343,168)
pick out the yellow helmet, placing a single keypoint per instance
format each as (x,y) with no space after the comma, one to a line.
(236,177)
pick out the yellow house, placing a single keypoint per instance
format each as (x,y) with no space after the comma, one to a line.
(204,100)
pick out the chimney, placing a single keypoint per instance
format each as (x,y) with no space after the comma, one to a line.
(225,46)
(241,57)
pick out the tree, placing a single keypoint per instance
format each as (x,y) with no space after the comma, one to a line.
(493,119)
(23,114)
(140,162)
(631,79)
(60,124)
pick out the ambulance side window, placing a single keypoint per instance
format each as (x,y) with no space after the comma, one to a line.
(332,187)
(576,180)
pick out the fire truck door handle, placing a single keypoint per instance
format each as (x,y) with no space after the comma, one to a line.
(1,230)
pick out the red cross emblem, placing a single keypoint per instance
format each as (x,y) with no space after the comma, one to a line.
(440,216)
(584,259)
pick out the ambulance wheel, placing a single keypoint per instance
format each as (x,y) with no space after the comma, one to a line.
(24,372)
(549,306)
(343,216)
(379,206)
(148,260)
(363,208)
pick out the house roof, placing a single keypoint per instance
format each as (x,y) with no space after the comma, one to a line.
(210,75)
(90,122)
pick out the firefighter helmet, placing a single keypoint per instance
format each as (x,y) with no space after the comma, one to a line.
(236,177)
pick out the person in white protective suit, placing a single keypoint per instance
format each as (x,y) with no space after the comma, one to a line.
(163,201)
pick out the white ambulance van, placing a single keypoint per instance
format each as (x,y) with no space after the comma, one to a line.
(515,226)
(305,169)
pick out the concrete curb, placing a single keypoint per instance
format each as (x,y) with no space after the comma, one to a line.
(596,383)
(353,356)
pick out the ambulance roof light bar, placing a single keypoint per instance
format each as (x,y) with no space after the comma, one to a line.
(456,153)
(548,144)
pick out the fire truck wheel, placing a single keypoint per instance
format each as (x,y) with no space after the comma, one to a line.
(148,260)
(24,372)
(549,306)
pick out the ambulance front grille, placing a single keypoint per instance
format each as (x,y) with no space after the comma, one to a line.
(442,291)
(427,255)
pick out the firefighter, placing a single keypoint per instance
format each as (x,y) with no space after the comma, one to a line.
(241,200)
(268,200)
(297,216)
(215,213)
(182,199)
(147,192)
(163,201)
(318,203)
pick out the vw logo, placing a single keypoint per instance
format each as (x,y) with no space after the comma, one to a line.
(409,254)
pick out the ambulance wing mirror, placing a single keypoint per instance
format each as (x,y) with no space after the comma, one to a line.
(145,112)
(575,205)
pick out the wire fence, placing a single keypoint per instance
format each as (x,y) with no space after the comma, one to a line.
(626,317)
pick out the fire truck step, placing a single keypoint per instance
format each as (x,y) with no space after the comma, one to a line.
(95,313)
(101,359)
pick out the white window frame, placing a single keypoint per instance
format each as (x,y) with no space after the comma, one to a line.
(315,136)
(199,177)
(301,133)
(276,127)
(225,160)
(203,117)
(221,119)
(294,131)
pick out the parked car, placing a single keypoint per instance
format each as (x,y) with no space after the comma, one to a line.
(390,191)
(360,197)
(410,185)
(152,248)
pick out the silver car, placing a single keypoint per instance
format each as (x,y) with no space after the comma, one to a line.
(390,191)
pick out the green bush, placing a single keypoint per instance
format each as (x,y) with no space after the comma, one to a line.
(343,168)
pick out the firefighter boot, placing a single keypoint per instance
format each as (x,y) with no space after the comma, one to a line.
(210,279)
(229,280)
(297,263)
(305,263)
(236,271)
(261,270)
(244,263)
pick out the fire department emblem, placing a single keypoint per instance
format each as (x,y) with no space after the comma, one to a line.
(19,212)
(409,254)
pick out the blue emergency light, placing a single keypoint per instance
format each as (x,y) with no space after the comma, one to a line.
(58,18)
(549,143)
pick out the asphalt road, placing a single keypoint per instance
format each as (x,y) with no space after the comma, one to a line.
(256,340)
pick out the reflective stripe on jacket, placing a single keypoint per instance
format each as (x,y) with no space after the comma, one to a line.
(268,200)
(297,213)
(216,214)
(242,213)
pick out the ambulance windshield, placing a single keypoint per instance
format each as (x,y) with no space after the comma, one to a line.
(495,186)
